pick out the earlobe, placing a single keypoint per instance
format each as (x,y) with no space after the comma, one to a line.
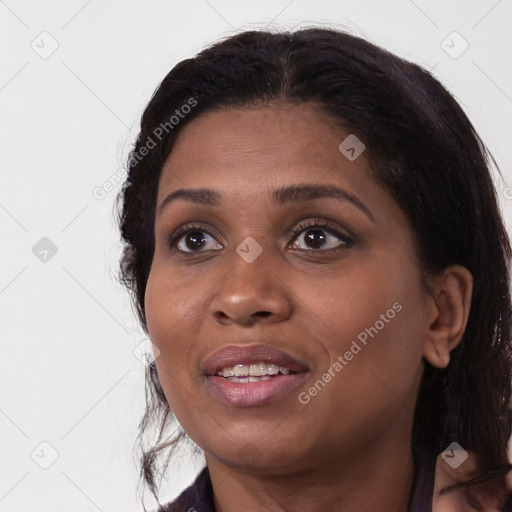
(447,313)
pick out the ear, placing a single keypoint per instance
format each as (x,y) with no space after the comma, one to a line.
(446,313)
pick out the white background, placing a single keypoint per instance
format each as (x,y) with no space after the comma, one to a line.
(69,376)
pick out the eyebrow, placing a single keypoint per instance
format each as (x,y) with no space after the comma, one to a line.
(281,196)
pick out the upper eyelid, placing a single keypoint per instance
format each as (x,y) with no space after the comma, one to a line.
(300,226)
(320,223)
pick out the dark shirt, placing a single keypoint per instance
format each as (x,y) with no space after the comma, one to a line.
(198,497)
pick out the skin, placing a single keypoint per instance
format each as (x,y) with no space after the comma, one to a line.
(348,448)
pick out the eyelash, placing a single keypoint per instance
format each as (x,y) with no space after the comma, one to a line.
(347,241)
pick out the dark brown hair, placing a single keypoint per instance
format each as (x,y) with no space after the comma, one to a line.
(423,149)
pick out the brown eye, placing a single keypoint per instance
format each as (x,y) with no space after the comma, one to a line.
(192,239)
(318,235)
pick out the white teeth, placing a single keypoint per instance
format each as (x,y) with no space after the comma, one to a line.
(258,369)
(241,370)
(272,369)
(252,370)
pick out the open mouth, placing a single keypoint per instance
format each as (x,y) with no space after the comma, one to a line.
(253,375)
(256,372)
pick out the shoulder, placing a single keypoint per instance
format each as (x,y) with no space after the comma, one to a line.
(197,497)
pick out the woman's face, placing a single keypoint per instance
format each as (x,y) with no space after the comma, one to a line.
(343,297)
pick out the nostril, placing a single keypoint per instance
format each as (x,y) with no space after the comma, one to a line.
(263,313)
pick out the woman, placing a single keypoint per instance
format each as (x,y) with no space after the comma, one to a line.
(313,242)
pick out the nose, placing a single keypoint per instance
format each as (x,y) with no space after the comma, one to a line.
(251,292)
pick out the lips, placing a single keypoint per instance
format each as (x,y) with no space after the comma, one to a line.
(233,355)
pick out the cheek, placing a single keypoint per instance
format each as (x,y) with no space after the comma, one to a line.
(171,315)
(173,308)
(160,310)
(162,303)
(166,314)
(367,302)
(372,330)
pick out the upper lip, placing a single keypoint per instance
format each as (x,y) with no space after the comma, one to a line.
(232,355)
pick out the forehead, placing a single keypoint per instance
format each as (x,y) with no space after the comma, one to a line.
(251,150)
(247,156)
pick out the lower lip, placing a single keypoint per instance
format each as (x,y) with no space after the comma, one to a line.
(253,394)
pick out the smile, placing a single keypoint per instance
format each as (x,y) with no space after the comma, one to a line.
(253,372)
